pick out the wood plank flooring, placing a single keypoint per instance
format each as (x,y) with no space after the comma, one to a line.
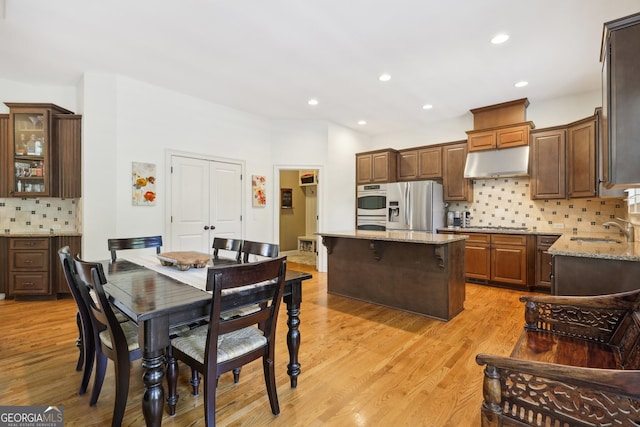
(362,365)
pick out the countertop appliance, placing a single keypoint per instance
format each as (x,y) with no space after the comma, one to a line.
(372,207)
(415,206)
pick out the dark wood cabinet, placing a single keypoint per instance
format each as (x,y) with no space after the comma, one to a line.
(42,151)
(478,256)
(5,152)
(420,163)
(548,164)
(376,166)
(455,186)
(509,259)
(581,158)
(29,266)
(620,106)
(502,137)
(563,161)
(58,280)
(543,262)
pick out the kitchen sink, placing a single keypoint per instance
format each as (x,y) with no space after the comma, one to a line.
(595,240)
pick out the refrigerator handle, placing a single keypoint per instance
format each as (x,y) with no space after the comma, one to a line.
(407,204)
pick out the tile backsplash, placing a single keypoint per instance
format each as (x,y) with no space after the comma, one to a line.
(507,202)
(20,215)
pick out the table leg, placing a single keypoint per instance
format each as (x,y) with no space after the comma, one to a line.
(153,398)
(293,335)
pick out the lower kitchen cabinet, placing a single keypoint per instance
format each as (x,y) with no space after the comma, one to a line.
(478,256)
(34,268)
(29,266)
(509,259)
(543,262)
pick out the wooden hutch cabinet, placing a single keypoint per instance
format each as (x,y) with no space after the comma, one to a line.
(42,152)
(376,166)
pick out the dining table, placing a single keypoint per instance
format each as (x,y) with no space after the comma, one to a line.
(159,298)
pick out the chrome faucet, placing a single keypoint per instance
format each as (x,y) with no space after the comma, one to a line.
(629,232)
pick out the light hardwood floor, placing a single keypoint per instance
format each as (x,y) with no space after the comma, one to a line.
(362,365)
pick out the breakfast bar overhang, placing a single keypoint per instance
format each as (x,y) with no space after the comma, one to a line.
(413,271)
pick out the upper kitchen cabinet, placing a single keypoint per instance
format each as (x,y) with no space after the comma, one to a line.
(620,57)
(500,126)
(376,166)
(563,161)
(454,186)
(42,151)
(420,163)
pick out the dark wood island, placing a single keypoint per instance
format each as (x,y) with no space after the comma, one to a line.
(413,271)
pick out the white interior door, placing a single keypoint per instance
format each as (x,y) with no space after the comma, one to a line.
(226,199)
(206,201)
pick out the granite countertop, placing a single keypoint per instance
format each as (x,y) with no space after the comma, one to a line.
(42,233)
(397,236)
(570,244)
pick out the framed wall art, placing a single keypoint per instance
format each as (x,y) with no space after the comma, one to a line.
(144,184)
(259,192)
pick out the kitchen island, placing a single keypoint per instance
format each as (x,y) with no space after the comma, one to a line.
(413,271)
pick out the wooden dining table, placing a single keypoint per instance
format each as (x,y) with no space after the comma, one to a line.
(158,302)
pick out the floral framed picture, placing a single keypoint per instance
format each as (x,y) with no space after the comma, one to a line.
(259,193)
(144,184)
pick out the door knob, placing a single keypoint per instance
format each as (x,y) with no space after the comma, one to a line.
(206,227)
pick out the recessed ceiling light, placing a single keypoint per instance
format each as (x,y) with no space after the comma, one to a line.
(521,83)
(500,38)
(313,102)
(427,107)
(362,122)
(384,77)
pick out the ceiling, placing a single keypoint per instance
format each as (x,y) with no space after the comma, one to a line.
(269,57)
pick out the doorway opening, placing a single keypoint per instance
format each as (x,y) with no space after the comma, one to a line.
(298,215)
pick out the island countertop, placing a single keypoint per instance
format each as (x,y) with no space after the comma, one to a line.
(397,236)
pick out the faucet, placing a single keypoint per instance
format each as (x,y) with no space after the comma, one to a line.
(629,232)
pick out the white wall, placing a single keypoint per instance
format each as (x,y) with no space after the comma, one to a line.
(63,96)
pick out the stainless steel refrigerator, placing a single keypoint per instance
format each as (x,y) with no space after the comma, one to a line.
(415,206)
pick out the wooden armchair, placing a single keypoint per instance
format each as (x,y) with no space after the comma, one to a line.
(577,363)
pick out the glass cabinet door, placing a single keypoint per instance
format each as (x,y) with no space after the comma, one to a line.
(30,153)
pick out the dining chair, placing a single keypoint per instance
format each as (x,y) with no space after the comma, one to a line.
(113,340)
(133,243)
(226,344)
(85,341)
(225,244)
(267,250)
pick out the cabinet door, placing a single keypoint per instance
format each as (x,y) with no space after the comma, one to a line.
(408,165)
(430,163)
(30,152)
(6,153)
(383,170)
(66,156)
(516,136)
(58,279)
(364,168)
(509,264)
(477,258)
(455,186)
(548,165)
(581,159)
(482,140)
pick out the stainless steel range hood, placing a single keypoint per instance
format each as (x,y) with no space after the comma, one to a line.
(506,162)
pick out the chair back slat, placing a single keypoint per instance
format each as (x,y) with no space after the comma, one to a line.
(267,250)
(134,243)
(231,245)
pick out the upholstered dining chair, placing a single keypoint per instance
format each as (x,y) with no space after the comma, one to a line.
(85,342)
(226,344)
(226,244)
(266,250)
(133,243)
(113,340)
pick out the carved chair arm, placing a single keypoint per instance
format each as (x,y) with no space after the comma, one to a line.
(526,390)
